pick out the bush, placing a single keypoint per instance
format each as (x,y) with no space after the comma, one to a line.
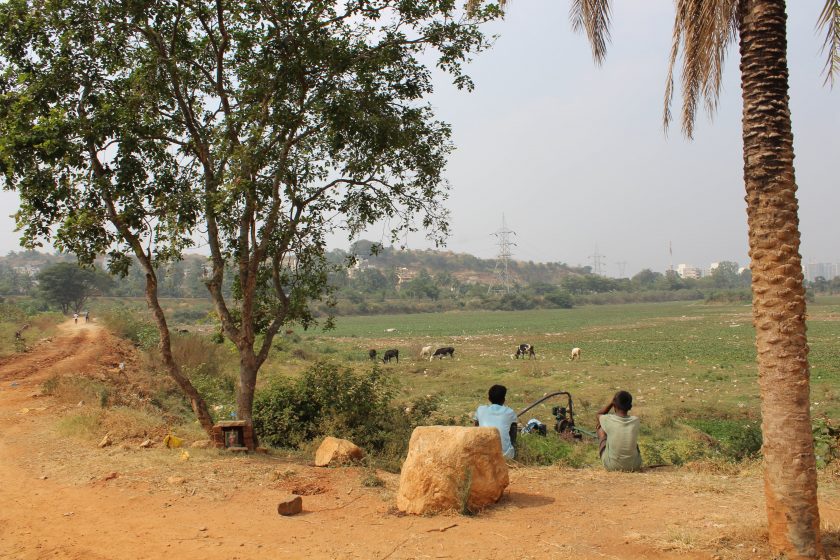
(553,449)
(126,324)
(826,442)
(330,400)
(738,439)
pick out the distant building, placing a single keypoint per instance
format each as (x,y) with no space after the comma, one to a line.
(689,271)
(358,266)
(404,274)
(28,270)
(824,269)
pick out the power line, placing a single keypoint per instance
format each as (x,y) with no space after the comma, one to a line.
(501,274)
(596,259)
(621,266)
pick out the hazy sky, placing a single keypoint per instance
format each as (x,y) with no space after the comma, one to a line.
(575,156)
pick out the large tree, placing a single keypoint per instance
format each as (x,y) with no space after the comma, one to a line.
(69,286)
(257,127)
(703,31)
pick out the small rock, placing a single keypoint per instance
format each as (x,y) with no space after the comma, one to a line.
(145,444)
(202,528)
(175,480)
(201,444)
(81,404)
(111,476)
(334,451)
(42,477)
(106,441)
(290,505)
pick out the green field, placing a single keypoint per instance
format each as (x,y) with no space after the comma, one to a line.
(678,355)
(690,366)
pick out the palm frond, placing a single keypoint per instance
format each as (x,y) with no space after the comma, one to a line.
(593,17)
(829,22)
(703,29)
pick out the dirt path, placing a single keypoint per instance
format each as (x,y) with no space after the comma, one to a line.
(64,498)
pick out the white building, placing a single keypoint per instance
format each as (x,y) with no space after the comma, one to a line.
(824,269)
(689,271)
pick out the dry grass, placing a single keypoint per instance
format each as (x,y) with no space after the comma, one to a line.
(724,467)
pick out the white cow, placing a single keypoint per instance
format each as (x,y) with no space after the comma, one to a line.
(426,352)
(575,354)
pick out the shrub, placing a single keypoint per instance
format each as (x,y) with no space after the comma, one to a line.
(336,401)
(826,441)
(126,324)
(534,449)
(738,439)
(552,449)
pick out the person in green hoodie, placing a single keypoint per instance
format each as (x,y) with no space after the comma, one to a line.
(619,435)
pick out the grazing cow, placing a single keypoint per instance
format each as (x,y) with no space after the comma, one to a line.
(395,354)
(441,352)
(372,353)
(525,349)
(426,351)
(575,354)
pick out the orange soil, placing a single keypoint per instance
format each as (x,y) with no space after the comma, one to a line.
(67,498)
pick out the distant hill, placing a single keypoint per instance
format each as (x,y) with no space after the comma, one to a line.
(466,268)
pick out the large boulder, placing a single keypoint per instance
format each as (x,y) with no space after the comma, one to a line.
(335,451)
(452,467)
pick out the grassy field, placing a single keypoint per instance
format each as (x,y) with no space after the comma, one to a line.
(690,366)
(677,355)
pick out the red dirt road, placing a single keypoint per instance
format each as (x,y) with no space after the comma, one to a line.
(67,498)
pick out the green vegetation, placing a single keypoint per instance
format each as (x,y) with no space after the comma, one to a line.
(690,366)
(68,286)
(331,400)
(22,327)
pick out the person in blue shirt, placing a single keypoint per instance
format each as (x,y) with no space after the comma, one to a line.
(499,416)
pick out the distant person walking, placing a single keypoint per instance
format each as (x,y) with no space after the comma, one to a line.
(76,318)
(87,316)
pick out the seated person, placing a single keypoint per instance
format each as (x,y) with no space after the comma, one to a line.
(500,417)
(619,435)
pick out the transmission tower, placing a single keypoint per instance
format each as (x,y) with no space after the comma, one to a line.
(501,275)
(621,266)
(596,259)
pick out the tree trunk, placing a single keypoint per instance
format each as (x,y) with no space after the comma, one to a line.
(196,401)
(790,478)
(247,384)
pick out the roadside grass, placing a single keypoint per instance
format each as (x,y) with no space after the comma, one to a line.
(13,319)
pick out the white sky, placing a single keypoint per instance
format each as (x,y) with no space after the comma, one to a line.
(575,156)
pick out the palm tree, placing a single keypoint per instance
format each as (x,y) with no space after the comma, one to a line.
(703,30)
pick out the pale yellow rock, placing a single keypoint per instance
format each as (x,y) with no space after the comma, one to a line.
(335,451)
(447,465)
(201,444)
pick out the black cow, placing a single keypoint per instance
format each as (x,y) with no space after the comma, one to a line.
(441,352)
(386,358)
(372,354)
(525,349)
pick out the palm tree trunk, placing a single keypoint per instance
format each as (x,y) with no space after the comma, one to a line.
(790,478)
